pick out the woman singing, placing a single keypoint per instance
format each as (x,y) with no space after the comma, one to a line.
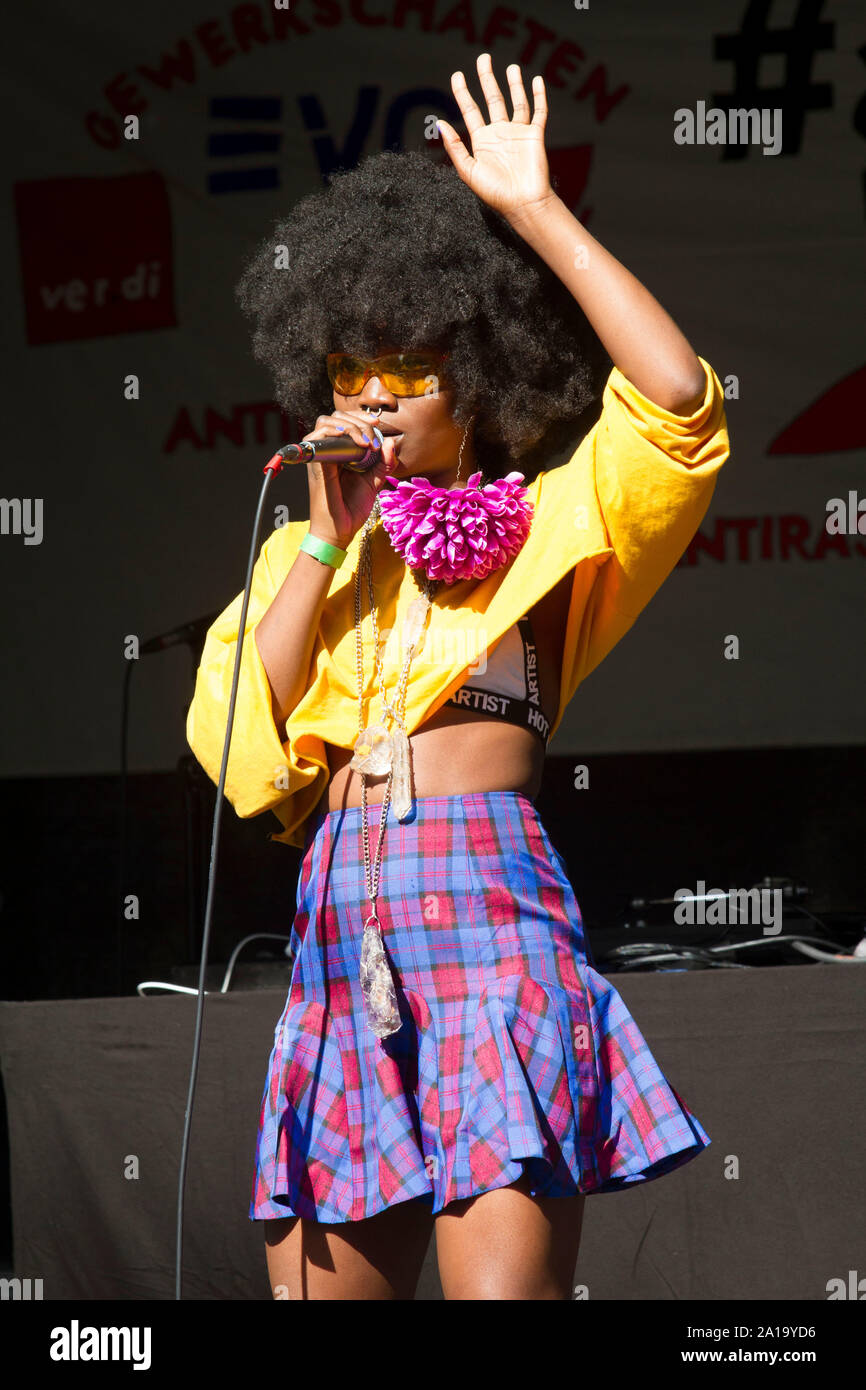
(448,1057)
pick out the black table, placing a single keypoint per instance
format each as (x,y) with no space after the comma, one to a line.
(770,1060)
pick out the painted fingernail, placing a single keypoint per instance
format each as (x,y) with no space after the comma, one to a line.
(366,438)
(341,429)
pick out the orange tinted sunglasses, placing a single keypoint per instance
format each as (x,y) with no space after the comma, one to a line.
(401,373)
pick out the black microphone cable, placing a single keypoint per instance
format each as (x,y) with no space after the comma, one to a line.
(289,453)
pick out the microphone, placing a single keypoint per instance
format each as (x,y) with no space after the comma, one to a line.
(340,449)
(193,633)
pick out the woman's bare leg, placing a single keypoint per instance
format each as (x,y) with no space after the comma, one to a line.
(378,1258)
(506,1244)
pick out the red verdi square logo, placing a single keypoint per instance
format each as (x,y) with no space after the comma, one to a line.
(96,256)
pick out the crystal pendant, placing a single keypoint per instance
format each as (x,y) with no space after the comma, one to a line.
(413,623)
(372,751)
(377,983)
(401,789)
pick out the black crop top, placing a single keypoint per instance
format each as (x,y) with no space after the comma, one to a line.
(507,688)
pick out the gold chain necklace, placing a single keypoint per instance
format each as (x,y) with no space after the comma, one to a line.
(378,750)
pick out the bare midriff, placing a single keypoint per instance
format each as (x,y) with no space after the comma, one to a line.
(458,751)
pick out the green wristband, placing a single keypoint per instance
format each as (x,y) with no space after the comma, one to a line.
(328,554)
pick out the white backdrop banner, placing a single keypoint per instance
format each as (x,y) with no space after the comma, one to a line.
(718,150)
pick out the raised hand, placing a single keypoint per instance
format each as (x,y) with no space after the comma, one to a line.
(507,168)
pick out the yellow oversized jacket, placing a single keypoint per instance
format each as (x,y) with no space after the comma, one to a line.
(618,516)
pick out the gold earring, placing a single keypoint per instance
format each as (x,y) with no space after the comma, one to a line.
(462,442)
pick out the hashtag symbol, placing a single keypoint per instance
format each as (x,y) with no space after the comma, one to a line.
(797,94)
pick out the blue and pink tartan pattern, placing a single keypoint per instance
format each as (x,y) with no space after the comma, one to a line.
(514,1054)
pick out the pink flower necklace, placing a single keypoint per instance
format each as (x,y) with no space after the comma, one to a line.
(456,533)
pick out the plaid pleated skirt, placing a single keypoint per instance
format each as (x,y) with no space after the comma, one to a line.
(514,1054)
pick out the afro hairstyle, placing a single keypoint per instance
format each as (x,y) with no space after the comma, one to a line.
(400,251)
